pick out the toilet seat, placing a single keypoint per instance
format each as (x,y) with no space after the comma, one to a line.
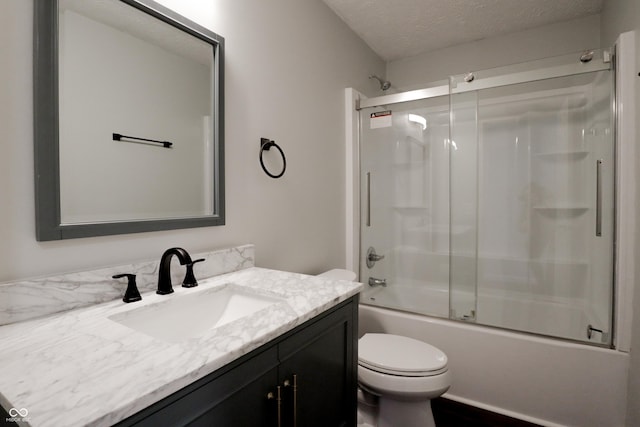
(401,387)
(400,356)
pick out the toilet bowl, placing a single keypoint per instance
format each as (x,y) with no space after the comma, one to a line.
(405,374)
(399,375)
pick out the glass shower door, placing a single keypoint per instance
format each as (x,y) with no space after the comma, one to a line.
(404,175)
(533,178)
(463,195)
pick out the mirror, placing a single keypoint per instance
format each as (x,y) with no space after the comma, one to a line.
(128,106)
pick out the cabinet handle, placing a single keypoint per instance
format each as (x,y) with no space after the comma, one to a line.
(295,401)
(279,407)
(287,383)
(270,396)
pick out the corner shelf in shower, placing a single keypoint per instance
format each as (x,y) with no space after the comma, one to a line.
(577,263)
(561,211)
(496,256)
(562,207)
(563,155)
(414,140)
(406,209)
(409,163)
(445,229)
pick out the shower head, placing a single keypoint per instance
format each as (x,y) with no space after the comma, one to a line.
(384,84)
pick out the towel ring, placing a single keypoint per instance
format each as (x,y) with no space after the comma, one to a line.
(265,145)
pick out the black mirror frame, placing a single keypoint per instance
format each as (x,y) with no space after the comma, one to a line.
(46,130)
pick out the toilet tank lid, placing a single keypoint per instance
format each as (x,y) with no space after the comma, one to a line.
(400,354)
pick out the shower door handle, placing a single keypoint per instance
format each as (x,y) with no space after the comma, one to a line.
(368,190)
(599,197)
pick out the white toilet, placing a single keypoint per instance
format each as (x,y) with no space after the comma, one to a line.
(406,374)
(403,373)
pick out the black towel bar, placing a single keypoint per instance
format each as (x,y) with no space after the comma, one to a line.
(120,137)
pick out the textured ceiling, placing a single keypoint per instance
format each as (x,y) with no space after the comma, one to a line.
(401,28)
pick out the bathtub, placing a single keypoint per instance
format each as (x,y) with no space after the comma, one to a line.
(559,318)
(541,380)
(556,299)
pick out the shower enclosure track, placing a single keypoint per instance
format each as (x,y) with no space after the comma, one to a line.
(474,83)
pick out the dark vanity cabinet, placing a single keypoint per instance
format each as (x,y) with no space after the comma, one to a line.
(305,378)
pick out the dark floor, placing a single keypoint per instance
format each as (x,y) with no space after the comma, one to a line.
(448,413)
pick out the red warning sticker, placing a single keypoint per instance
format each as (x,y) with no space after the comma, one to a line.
(380,119)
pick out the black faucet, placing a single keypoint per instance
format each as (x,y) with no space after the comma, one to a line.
(164,274)
(189,280)
(132,294)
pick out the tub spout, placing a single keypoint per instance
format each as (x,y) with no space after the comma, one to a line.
(377,282)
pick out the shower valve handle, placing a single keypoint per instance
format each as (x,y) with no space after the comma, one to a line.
(372,257)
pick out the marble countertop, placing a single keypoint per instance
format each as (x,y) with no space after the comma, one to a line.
(80,368)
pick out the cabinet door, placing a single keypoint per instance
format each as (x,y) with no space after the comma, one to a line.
(248,407)
(235,397)
(323,358)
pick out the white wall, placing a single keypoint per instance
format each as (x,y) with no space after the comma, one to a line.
(550,40)
(287,64)
(619,16)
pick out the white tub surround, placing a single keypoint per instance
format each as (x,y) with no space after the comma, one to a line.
(28,299)
(79,367)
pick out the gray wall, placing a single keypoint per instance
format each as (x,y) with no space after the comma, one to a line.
(619,16)
(287,64)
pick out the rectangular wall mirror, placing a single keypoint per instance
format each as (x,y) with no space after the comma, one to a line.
(129,120)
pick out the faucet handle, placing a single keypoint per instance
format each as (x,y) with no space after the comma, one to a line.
(131,294)
(190,278)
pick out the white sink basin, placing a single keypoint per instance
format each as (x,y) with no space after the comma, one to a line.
(185,316)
